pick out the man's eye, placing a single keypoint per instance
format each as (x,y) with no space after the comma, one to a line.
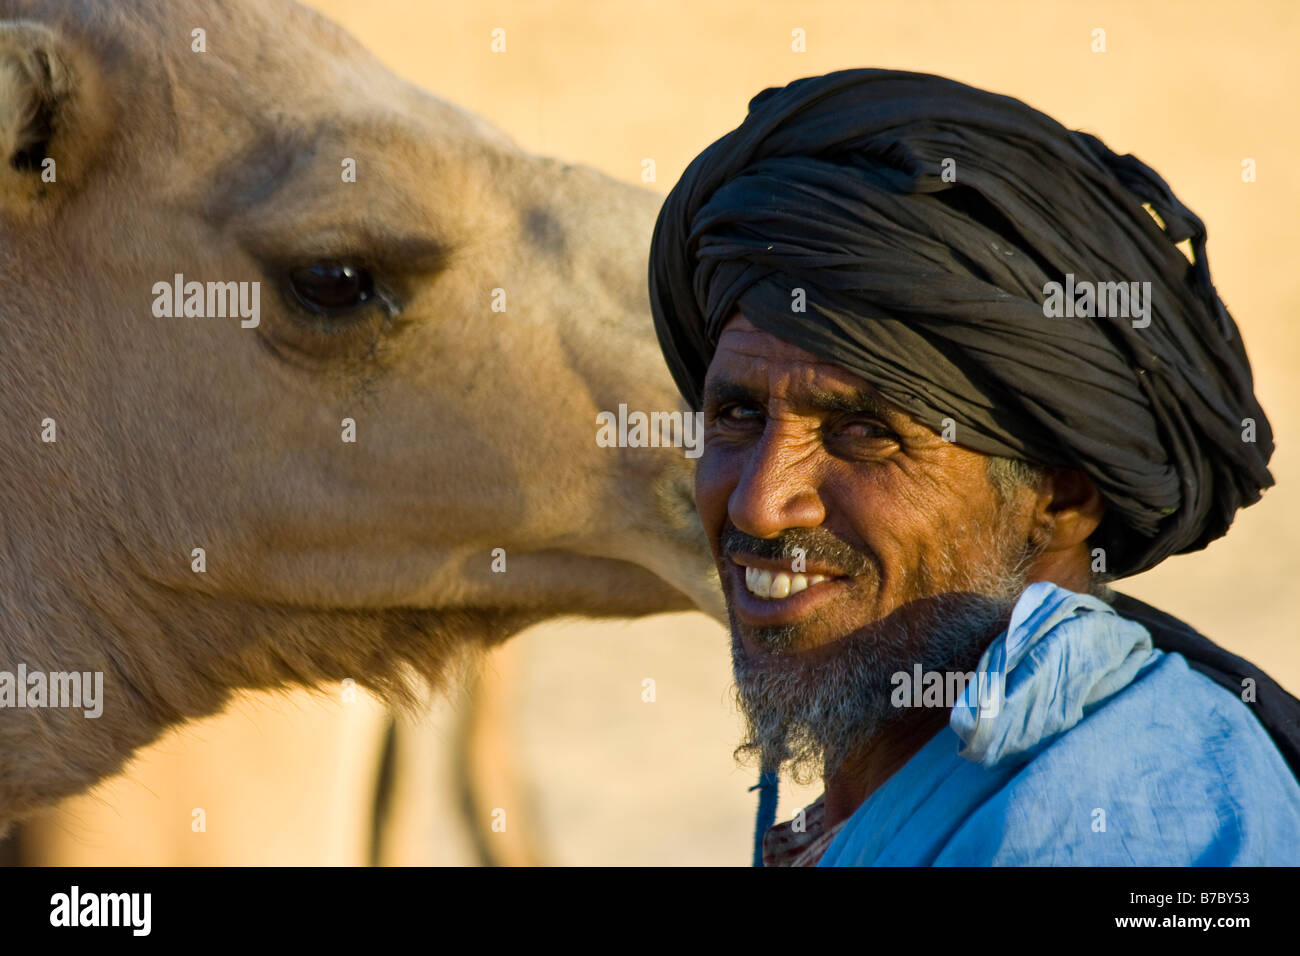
(864,428)
(331,288)
(738,414)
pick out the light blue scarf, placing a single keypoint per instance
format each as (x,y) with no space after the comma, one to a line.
(1101,751)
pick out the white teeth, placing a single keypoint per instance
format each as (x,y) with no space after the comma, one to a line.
(775,586)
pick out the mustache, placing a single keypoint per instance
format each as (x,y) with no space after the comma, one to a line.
(819,546)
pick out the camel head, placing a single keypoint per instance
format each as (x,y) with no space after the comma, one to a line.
(301,370)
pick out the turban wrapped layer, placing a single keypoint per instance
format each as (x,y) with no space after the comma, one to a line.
(919,221)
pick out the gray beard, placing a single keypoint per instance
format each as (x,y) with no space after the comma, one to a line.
(806,713)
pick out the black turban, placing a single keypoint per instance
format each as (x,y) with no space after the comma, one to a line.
(923,220)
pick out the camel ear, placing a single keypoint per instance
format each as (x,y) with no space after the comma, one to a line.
(52,118)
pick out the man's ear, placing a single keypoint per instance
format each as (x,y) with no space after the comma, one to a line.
(1068,509)
(53,118)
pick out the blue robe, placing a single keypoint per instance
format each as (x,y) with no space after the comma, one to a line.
(1102,751)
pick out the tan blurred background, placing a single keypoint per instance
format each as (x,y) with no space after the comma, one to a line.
(601,776)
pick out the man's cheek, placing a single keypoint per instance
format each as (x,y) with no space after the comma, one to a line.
(713,487)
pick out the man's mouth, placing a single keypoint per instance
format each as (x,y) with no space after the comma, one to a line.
(775,586)
(769,593)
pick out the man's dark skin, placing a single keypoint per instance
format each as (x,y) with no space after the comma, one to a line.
(792,441)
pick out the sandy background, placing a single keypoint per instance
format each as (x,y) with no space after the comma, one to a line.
(1192,88)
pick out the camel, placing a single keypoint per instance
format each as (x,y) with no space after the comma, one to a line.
(301,370)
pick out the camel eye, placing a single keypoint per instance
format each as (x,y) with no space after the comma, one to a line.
(331,288)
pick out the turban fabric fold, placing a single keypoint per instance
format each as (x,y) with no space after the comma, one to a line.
(919,222)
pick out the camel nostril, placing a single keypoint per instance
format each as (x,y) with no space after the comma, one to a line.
(545,232)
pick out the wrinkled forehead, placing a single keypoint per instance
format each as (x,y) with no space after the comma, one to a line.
(761,367)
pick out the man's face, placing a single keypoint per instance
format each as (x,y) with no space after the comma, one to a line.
(908,553)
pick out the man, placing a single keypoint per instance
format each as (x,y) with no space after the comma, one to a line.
(956,374)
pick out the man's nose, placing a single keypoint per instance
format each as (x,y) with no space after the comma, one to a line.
(778,489)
